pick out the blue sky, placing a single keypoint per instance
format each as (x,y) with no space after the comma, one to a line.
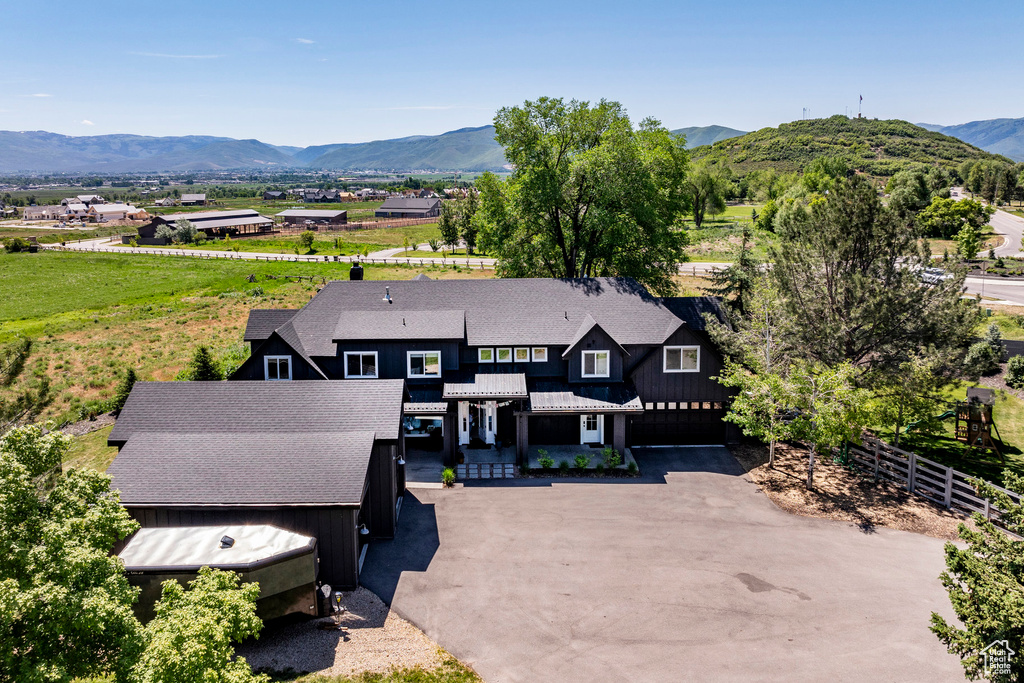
(303,73)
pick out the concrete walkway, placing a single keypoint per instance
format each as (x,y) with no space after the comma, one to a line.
(688,573)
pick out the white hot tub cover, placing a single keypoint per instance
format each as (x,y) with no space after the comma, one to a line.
(191,547)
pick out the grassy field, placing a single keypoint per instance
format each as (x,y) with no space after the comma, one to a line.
(349,242)
(92,316)
(721,242)
(91,451)
(47,234)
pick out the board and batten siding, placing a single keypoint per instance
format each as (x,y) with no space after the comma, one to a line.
(253,368)
(392,358)
(554,368)
(335,528)
(595,340)
(653,384)
(383,487)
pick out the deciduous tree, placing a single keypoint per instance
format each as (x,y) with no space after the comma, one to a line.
(705,187)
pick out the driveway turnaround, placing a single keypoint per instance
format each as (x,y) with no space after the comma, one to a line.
(688,573)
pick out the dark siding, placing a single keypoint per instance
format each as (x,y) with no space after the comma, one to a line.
(596,340)
(334,528)
(653,385)
(252,368)
(555,367)
(383,489)
(554,430)
(392,359)
(677,427)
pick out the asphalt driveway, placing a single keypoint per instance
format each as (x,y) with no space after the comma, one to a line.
(689,573)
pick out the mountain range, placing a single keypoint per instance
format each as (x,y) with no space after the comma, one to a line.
(999,136)
(466,149)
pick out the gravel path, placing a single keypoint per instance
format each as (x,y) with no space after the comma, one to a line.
(372,638)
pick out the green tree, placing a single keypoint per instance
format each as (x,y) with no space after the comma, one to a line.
(766,220)
(305,240)
(985,582)
(908,392)
(705,187)
(202,367)
(846,268)
(124,388)
(184,231)
(945,217)
(65,603)
(449,223)
(469,228)
(968,242)
(735,283)
(823,172)
(1015,372)
(191,637)
(590,195)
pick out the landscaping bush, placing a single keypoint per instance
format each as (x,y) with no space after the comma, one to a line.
(563,467)
(448,477)
(15,244)
(981,359)
(600,468)
(1015,372)
(582,461)
(611,458)
(545,462)
(631,467)
(994,338)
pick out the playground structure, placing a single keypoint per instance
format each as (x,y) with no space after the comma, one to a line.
(974,423)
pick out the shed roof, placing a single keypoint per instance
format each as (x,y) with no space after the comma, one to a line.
(489,385)
(228,468)
(557,397)
(187,548)
(193,197)
(263,408)
(263,321)
(196,216)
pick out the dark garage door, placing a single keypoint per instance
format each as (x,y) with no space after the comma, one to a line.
(682,427)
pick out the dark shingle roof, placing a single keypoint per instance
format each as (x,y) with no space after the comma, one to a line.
(691,309)
(407,203)
(262,408)
(217,468)
(369,325)
(263,321)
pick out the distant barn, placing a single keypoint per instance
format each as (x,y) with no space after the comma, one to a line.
(319,216)
(409,207)
(193,200)
(213,223)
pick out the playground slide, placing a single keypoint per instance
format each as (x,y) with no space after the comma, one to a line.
(944,416)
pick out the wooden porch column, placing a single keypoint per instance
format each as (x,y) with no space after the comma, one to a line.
(522,438)
(619,434)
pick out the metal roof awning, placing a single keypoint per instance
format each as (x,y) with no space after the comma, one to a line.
(489,385)
(438,408)
(584,399)
(189,548)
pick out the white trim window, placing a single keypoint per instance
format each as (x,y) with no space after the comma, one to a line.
(681,359)
(540,354)
(596,363)
(505,355)
(277,368)
(424,363)
(522,354)
(361,364)
(485,355)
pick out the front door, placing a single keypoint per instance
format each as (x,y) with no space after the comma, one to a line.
(489,421)
(463,423)
(591,429)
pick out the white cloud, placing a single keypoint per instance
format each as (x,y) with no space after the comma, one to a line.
(163,55)
(87,122)
(40,94)
(305,41)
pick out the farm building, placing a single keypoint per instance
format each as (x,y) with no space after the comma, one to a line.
(409,207)
(321,459)
(102,213)
(213,223)
(274,195)
(321,216)
(193,200)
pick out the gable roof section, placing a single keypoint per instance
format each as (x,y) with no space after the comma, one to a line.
(263,321)
(536,311)
(391,325)
(218,468)
(262,408)
(691,309)
(585,328)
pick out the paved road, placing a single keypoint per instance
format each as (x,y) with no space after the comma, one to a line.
(687,574)
(1006,224)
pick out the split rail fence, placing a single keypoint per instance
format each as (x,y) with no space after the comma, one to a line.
(926,478)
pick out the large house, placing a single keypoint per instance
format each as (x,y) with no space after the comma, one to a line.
(500,362)
(102,213)
(409,207)
(87,199)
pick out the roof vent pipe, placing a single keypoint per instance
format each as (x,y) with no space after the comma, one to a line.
(387,295)
(226,542)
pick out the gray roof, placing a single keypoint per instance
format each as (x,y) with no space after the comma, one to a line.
(192,547)
(228,468)
(369,325)
(489,385)
(193,197)
(691,309)
(311,213)
(438,408)
(198,216)
(263,321)
(262,408)
(422,276)
(589,324)
(554,397)
(407,203)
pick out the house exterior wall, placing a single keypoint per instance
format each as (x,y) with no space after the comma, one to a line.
(253,368)
(654,385)
(555,368)
(392,359)
(595,340)
(335,528)
(383,489)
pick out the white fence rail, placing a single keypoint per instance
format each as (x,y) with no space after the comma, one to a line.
(926,478)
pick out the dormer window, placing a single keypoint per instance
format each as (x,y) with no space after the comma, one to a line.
(681,359)
(277,368)
(361,364)
(595,363)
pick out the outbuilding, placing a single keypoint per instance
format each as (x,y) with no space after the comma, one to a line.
(409,207)
(321,216)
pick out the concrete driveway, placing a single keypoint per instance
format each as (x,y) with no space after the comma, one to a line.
(688,573)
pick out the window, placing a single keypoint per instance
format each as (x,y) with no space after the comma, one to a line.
(485,355)
(277,367)
(504,355)
(540,354)
(424,364)
(682,359)
(522,354)
(595,363)
(360,364)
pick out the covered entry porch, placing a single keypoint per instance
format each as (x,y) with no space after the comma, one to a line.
(561,415)
(484,409)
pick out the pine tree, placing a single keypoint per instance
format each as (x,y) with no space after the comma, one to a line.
(735,283)
(123,389)
(202,367)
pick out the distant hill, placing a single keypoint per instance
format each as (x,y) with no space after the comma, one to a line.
(468,149)
(999,136)
(875,147)
(697,136)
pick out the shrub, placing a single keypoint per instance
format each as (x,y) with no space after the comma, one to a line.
(202,367)
(15,244)
(631,467)
(611,458)
(994,338)
(448,477)
(600,468)
(582,461)
(563,467)
(305,240)
(133,243)
(184,231)
(434,244)
(123,389)
(545,462)
(1015,372)
(980,360)
(199,237)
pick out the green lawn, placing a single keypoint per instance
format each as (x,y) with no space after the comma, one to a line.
(91,451)
(718,242)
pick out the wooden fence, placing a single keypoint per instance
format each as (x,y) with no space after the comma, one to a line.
(926,478)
